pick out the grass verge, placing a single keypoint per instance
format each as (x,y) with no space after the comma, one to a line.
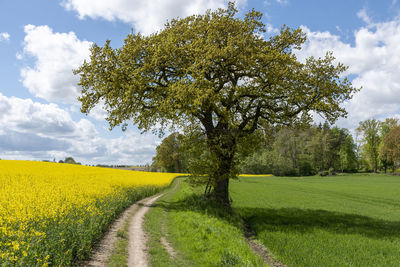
(119,256)
(201,232)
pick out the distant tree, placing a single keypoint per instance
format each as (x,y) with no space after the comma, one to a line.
(371,140)
(317,147)
(391,146)
(216,71)
(304,151)
(70,160)
(347,153)
(292,152)
(384,155)
(260,162)
(286,144)
(170,155)
(387,125)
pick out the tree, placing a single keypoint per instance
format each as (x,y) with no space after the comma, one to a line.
(347,154)
(217,72)
(170,155)
(70,160)
(257,163)
(387,125)
(384,154)
(306,151)
(391,146)
(369,129)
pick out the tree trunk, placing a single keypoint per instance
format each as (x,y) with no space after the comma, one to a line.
(220,179)
(221,192)
(223,149)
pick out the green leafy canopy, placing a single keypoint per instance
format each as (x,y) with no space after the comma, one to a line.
(212,69)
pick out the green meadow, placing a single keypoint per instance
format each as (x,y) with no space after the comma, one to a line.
(346,220)
(201,233)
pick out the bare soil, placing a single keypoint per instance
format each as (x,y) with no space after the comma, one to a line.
(168,247)
(137,240)
(260,250)
(137,249)
(102,251)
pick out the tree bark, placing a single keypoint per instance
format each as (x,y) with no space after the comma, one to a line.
(221,192)
(223,149)
(222,173)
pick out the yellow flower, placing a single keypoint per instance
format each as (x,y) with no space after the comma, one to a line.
(15,245)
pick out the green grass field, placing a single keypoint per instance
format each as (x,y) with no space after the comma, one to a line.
(201,233)
(349,220)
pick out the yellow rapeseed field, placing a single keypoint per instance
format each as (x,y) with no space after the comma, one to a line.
(51,213)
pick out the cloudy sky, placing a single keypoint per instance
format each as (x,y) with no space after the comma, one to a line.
(41,42)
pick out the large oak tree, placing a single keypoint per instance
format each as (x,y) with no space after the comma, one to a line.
(215,72)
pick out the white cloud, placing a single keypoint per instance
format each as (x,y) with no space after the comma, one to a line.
(32,130)
(134,147)
(98,112)
(362,14)
(374,62)
(271,29)
(282,2)
(4,36)
(146,16)
(56,55)
(46,120)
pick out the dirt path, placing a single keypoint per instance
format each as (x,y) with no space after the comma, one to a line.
(259,249)
(102,251)
(137,250)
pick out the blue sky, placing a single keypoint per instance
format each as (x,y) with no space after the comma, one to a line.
(42,41)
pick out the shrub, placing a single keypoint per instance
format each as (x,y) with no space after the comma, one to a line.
(323,173)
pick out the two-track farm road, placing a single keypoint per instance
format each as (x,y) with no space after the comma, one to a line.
(137,250)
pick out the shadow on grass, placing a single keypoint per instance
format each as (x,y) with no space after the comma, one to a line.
(305,220)
(287,219)
(197,203)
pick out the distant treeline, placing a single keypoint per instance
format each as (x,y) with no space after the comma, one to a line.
(113,166)
(68,160)
(296,151)
(287,151)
